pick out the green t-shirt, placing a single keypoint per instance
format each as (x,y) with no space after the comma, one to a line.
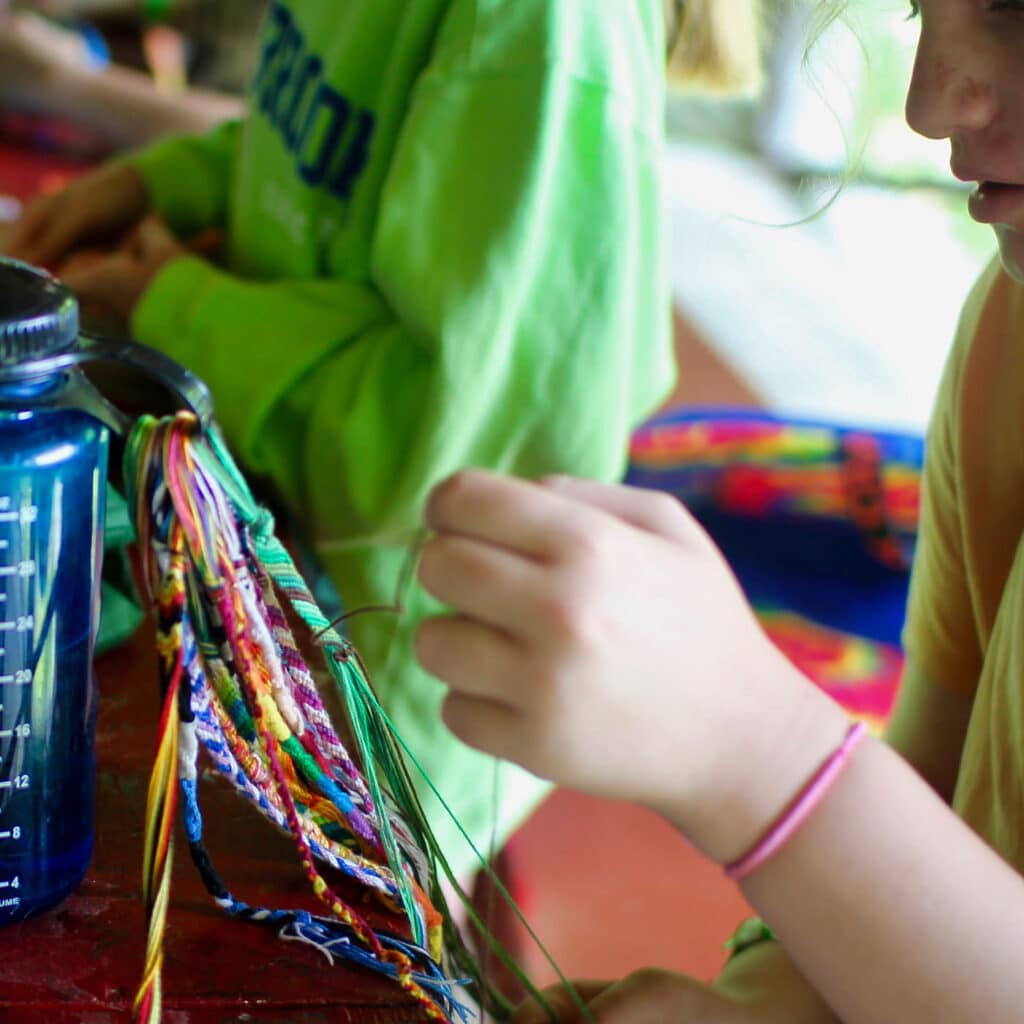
(444,247)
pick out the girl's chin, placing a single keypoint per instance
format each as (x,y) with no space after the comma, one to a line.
(1011,251)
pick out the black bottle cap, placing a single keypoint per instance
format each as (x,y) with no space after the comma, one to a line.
(38,315)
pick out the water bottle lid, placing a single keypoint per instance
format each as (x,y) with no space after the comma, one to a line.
(38,315)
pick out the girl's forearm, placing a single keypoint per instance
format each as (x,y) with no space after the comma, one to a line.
(892,907)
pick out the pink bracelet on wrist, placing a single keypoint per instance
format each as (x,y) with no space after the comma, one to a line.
(799,809)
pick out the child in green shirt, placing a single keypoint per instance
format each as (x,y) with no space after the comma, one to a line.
(443,247)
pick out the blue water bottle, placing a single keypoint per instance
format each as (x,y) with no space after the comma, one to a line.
(55,428)
(53,464)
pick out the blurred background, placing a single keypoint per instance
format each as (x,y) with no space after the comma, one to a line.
(818,246)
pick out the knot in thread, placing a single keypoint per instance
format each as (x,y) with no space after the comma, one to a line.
(262,524)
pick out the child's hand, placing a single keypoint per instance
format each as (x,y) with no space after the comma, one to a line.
(761,986)
(96,208)
(646,997)
(657,997)
(601,641)
(108,286)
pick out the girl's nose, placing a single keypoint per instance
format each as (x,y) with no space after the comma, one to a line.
(950,91)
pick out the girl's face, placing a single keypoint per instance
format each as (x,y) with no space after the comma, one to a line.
(968,87)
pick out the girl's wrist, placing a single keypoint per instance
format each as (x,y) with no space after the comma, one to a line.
(803,805)
(795,732)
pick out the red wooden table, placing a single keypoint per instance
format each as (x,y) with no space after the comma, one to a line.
(81,963)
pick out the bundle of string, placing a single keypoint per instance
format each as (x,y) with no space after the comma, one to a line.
(234,683)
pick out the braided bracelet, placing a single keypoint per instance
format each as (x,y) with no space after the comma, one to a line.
(799,809)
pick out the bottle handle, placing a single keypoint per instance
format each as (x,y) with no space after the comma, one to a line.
(186,389)
(110,355)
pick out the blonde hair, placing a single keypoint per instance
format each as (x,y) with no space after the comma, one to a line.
(715,45)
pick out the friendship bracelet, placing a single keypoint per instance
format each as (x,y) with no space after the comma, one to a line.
(798,810)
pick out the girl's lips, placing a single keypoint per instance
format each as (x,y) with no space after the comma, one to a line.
(994,202)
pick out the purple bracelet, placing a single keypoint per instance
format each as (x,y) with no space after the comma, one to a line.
(797,812)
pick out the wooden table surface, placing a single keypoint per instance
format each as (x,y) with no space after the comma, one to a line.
(81,963)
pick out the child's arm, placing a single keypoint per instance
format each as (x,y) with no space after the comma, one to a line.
(600,641)
(943,655)
(928,727)
(893,907)
(766,990)
(127,109)
(761,986)
(184,180)
(516,313)
(94,210)
(46,69)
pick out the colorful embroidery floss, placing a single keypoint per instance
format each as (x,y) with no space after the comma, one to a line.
(236,686)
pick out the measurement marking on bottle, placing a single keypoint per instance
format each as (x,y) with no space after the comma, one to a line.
(11,833)
(21,624)
(23,677)
(24,569)
(25,514)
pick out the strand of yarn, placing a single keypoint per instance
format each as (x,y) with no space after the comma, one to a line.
(159,837)
(360,702)
(262,725)
(241,625)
